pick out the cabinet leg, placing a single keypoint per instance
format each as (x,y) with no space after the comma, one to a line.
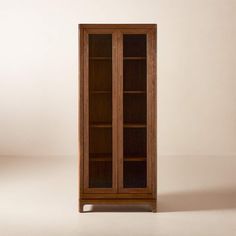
(81,207)
(154,206)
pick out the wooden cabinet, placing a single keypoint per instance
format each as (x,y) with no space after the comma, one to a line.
(118,114)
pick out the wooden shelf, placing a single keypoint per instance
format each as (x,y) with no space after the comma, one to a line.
(99,159)
(100,125)
(100,58)
(134,58)
(131,158)
(98,155)
(100,91)
(135,92)
(135,125)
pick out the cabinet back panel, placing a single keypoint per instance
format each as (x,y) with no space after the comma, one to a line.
(135,142)
(100,75)
(134,45)
(100,140)
(135,106)
(100,174)
(100,45)
(134,73)
(100,108)
(135,174)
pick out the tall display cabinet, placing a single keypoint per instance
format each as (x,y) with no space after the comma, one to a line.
(117,114)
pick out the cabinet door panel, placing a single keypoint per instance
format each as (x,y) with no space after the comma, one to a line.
(99,165)
(135,159)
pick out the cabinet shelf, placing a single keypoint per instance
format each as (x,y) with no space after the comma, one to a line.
(99,159)
(100,125)
(130,158)
(100,58)
(100,91)
(134,92)
(99,155)
(135,125)
(134,58)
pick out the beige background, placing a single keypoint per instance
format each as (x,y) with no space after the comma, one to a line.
(196,118)
(196,73)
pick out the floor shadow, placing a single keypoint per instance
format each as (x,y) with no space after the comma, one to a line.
(215,199)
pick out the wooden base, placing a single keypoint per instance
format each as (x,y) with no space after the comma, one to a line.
(151,202)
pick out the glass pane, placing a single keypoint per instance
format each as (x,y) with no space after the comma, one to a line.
(134,111)
(135,176)
(100,111)
(134,45)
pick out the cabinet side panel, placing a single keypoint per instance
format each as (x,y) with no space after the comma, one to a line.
(153,107)
(81,109)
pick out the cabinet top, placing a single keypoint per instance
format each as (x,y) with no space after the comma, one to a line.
(117,26)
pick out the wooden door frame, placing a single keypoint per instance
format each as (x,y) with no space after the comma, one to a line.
(151,109)
(84,125)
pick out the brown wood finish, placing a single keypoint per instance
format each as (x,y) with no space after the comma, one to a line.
(117,195)
(81,112)
(99,91)
(118,26)
(97,141)
(134,201)
(122,111)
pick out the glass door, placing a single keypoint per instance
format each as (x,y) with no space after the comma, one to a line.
(134,162)
(99,162)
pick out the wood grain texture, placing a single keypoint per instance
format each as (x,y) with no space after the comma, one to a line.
(120,111)
(86,110)
(116,195)
(114,110)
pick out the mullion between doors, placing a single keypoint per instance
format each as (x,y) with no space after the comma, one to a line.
(120,108)
(114,113)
